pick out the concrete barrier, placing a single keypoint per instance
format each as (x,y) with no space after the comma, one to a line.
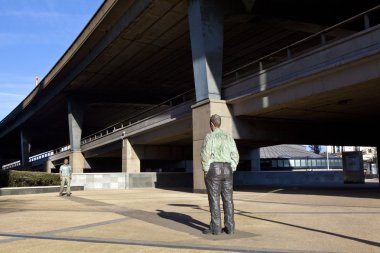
(287,178)
(132,180)
(34,190)
(182,179)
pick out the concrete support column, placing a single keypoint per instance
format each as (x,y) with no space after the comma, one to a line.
(25,148)
(201,126)
(48,166)
(206,35)
(130,157)
(255,159)
(75,117)
(77,161)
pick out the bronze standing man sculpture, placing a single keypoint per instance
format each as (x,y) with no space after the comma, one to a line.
(65,172)
(220,158)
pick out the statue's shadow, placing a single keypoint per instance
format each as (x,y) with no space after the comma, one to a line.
(183,219)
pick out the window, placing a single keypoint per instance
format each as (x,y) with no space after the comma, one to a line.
(280,163)
(314,163)
(303,163)
(286,163)
(298,163)
(292,163)
(274,163)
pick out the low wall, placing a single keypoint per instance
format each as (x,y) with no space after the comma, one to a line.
(287,178)
(132,180)
(181,179)
(34,190)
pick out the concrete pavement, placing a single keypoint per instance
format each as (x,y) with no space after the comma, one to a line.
(158,220)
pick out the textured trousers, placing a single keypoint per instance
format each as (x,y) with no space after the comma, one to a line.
(66,180)
(219,182)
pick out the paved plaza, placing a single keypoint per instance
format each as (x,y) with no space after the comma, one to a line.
(159,220)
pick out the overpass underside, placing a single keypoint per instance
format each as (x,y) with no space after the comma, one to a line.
(135,91)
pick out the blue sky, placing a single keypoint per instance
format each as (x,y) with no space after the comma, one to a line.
(33,36)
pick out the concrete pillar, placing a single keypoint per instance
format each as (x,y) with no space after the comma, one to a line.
(25,148)
(130,157)
(206,35)
(77,161)
(75,117)
(48,166)
(201,126)
(255,159)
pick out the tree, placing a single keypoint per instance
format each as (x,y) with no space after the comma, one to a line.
(315,148)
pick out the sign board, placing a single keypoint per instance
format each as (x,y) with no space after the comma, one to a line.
(353,171)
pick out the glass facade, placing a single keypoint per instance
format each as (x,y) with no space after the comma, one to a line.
(300,163)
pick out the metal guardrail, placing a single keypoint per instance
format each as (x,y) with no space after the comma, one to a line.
(128,122)
(177,100)
(288,52)
(38,157)
(279,56)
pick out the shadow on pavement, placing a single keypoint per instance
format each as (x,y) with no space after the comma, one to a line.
(245,214)
(183,219)
(355,191)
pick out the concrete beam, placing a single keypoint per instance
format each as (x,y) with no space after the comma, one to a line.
(295,25)
(338,65)
(166,152)
(173,131)
(273,131)
(206,35)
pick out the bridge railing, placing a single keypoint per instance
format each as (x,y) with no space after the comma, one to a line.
(130,121)
(140,116)
(38,157)
(356,23)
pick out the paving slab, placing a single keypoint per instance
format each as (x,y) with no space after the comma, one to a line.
(172,220)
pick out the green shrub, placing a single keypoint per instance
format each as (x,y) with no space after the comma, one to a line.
(27,178)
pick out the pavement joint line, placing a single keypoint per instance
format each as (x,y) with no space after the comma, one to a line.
(267,193)
(152,243)
(364,241)
(63,230)
(302,204)
(69,229)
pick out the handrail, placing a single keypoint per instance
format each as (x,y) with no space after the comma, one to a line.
(120,124)
(115,127)
(320,33)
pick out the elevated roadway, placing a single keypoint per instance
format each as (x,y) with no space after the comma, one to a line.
(269,86)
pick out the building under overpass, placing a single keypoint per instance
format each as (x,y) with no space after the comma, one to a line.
(136,88)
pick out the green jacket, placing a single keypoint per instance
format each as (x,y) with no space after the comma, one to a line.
(219,146)
(65,170)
